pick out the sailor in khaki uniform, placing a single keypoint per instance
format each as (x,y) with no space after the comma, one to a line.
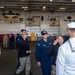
(5,41)
(65,63)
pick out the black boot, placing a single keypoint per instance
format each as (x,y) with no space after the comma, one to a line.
(30,73)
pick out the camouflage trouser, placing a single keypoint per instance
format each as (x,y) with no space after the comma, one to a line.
(24,63)
(53,72)
(5,43)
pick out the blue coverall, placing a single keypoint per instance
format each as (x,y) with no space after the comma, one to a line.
(41,56)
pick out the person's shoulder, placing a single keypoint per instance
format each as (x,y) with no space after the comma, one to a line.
(40,41)
(19,38)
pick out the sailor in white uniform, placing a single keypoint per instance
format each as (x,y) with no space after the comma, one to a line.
(65,63)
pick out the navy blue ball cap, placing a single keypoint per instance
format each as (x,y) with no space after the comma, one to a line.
(23,30)
(44,32)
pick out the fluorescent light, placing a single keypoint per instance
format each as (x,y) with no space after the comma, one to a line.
(50,0)
(24,7)
(1,7)
(73,0)
(44,7)
(62,8)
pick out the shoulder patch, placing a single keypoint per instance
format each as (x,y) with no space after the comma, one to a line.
(50,43)
(18,39)
(38,44)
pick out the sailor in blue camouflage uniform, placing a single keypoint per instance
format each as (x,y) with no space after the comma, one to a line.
(43,60)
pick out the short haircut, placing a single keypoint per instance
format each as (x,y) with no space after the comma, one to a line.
(23,30)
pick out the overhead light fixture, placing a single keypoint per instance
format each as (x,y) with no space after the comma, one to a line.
(24,7)
(1,7)
(50,0)
(44,7)
(73,0)
(62,8)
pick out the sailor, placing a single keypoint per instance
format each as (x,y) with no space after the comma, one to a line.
(65,63)
(5,41)
(23,54)
(43,60)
